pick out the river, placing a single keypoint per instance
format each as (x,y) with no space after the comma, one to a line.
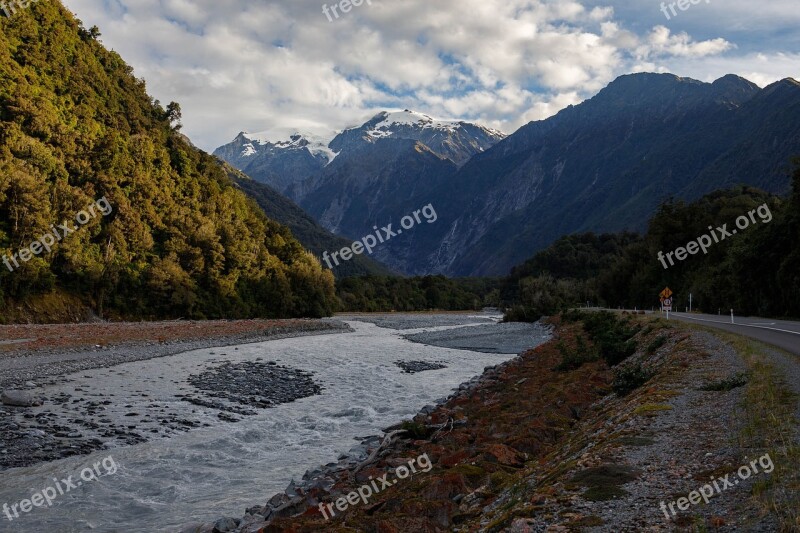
(219,470)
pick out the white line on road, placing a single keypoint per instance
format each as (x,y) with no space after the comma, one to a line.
(743,325)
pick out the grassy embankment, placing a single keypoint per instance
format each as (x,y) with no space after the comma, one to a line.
(554,427)
(769,411)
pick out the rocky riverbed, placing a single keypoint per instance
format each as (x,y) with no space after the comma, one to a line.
(197,433)
(80,420)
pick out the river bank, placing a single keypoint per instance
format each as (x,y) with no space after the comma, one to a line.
(211,425)
(532,445)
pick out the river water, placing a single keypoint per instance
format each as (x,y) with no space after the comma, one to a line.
(215,471)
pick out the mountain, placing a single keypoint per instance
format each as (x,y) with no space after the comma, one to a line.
(602,166)
(310,234)
(282,158)
(161,230)
(278,157)
(605,165)
(366,177)
(454,140)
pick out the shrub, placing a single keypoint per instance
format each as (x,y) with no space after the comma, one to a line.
(656,344)
(574,359)
(629,378)
(612,335)
(733,382)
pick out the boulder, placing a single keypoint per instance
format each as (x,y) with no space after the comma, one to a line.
(18,398)
(225,525)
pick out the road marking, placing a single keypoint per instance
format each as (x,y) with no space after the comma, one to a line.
(743,325)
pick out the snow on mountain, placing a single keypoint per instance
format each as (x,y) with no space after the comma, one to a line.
(385,123)
(282,157)
(287,138)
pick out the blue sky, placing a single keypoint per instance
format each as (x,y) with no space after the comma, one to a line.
(266,64)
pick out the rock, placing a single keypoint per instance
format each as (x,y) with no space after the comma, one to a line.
(505,455)
(225,525)
(16,398)
(413,367)
(295,507)
(278,500)
(252,524)
(257,509)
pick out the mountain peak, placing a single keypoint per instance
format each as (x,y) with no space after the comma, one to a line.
(386,120)
(786,87)
(286,139)
(735,88)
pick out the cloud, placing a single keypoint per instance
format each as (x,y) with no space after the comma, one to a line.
(260,65)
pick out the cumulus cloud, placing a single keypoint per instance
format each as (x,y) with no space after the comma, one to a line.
(260,65)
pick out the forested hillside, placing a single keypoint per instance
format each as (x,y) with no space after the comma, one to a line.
(755,271)
(424,293)
(313,236)
(181,239)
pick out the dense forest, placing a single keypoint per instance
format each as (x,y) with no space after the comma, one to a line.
(387,293)
(755,271)
(314,237)
(181,240)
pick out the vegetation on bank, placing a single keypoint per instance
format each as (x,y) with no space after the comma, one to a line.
(182,241)
(388,293)
(769,411)
(534,445)
(754,272)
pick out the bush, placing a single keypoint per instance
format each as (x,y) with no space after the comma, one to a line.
(612,335)
(656,344)
(733,382)
(574,359)
(629,378)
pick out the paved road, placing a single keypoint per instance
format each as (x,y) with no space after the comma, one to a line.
(781,333)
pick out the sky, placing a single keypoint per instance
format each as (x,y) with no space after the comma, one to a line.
(259,65)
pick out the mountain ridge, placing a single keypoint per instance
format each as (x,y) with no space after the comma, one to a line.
(283,157)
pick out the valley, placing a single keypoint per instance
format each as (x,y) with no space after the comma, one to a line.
(487,266)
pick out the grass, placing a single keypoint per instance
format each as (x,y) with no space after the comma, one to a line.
(770,426)
(656,344)
(651,409)
(728,384)
(605,482)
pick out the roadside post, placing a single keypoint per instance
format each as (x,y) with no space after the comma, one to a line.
(666,300)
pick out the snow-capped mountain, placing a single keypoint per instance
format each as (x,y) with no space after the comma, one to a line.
(279,157)
(284,157)
(366,175)
(455,140)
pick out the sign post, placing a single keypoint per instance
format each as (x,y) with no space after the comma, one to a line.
(668,306)
(666,300)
